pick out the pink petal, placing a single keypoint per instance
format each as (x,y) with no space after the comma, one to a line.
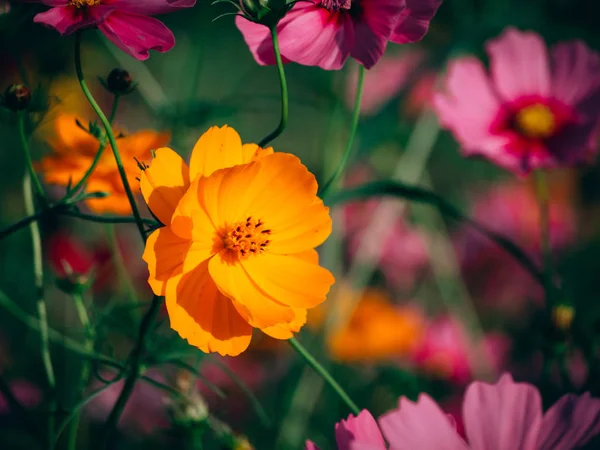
(420,425)
(360,429)
(151,7)
(373,28)
(66,20)
(502,416)
(136,35)
(570,423)
(310,445)
(469,108)
(414,21)
(575,72)
(519,64)
(258,40)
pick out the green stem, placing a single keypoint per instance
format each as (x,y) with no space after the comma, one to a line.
(109,134)
(312,362)
(38,272)
(25,146)
(353,127)
(541,185)
(81,183)
(136,365)
(113,111)
(284,93)
(104,219)
(119,263)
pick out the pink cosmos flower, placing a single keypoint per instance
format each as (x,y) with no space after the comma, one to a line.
(126,23)
(501,416)
(325,33)
(538,109)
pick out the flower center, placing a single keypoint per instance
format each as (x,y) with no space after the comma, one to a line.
(83,3)
(247,238)
(336,5)
(536,121)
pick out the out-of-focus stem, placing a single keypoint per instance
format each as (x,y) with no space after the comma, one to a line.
(25,146)
(541,185)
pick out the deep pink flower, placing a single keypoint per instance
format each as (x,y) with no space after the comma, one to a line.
(360,432)
(501,416)
(447,351)
(126,23)
(325,33)
(537,109)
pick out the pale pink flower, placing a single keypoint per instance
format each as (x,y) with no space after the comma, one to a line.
(536,109)
(326,33)
(384,82)
(501,416)
(126,23)
(28,394)
(447,351)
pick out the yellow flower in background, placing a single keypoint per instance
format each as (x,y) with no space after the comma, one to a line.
(237,249)
(74,149)
(376,330)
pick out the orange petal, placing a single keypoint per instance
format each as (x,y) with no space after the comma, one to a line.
(71,138)
(252,152)
(233,281)
(218,148)
(140,143)
(204,316)
(164,183)
(165,253)
(190,219)
(287,330)
(290,280)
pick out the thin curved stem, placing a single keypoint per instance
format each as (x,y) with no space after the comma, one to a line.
(327,377)
(81,183)
(25,146)
(104,219)
(541,185)
(353,128)
(284,92)
(113,111)
(109,134)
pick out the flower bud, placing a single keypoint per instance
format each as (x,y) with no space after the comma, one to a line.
(119,82)
(562,317)
(266,12)
(16,97)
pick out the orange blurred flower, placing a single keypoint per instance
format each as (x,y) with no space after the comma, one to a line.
(237,250)
(376,330)
(74,149)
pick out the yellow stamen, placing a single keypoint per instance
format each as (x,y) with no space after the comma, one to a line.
(84,3)
(247,238)
(536,121)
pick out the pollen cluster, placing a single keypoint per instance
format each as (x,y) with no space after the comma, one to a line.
(247,238)
(84,3)
(536,121)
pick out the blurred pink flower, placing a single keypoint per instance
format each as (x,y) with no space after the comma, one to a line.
(28,394)
(145,411)
(447,351)
(420,96)
(501,416)
(325,33)
(386,80)
(126,23)
(536,110)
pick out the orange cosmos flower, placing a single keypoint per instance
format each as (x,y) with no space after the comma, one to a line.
(74,150)
(376,330)
(237,249)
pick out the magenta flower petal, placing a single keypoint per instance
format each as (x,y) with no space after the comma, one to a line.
(65,19)
(137,34)
(310,445)
(151,7)
(519,64)
(258,40)
(421,425)
(414,21)
(570,423)
(360,429)
(373,28)
(502,416)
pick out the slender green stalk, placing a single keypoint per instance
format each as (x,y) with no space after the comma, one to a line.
(104,219)
(25,146)
(85,369)
(86,176)
(353,127)
(541,185)
(119,263)
(38,272)
(312,362)
(113,111)
(284,92)
(136,365)
(109,134)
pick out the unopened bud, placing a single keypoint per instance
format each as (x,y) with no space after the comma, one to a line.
(73,284)
(562,317)
(119,82)
(266,12)
(16,97)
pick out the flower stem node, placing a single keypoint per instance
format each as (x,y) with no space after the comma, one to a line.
(16,97)
(73,284)
(265,12)
(562,317)
(119,82)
